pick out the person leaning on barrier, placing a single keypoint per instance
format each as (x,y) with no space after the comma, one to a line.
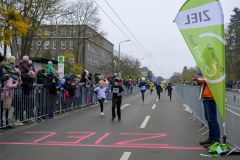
(41,77)
(210,110)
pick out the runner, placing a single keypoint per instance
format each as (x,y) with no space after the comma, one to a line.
(158,88)
(118,91)
(151,87)
(102,92)
(162,85)
(169,87)
(142,85)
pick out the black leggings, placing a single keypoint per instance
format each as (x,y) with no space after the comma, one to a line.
(170,94)
(151,91)
(116,102)
(143,96)
(101,103)
(158,94)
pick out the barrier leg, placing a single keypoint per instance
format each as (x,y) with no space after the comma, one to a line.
(205,133)
(194,118)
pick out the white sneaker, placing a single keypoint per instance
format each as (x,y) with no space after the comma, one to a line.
(102,113)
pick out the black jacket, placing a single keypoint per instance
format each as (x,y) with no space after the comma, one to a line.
(3,79)
(70,89)
(41,79)
(52,88)
(169,88)
(27,84)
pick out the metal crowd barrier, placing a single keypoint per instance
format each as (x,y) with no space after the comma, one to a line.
(190,97)
(17,106)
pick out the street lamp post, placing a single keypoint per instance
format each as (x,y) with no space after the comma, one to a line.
(119,47)
(114,67)
(57,32)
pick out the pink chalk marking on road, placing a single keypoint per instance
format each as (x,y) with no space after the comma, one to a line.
(147,134)
(98,141)
(159,135)
(92,145)
(52,133)
(80,138)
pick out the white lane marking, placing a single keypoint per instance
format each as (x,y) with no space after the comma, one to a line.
(125,155)
(123,107)
(154,106)
(145,122)
(156,100)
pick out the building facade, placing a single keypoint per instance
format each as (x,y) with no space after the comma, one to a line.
(85,46)
(145,72)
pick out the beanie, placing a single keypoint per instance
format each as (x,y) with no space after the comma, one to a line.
(116,80)
(31,74)
(26,58)
(143,78)
(50,62)
(68,78)
(10,58)
(1,58)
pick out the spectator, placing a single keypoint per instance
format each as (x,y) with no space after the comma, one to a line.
(23,65)
(210,110)
(41,77)
(69,73)
(77,96)
(70,86)
(10,68)
(49,68)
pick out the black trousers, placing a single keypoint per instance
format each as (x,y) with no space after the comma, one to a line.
(101,103)
(170,94)
(158,94)
(116,102)
(143,96)
(151,91)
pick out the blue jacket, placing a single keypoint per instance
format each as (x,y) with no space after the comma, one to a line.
(141,85)
(158,88)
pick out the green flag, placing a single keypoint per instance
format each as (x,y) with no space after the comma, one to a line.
(202,26)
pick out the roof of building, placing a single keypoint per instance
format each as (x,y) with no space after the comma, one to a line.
(43,60)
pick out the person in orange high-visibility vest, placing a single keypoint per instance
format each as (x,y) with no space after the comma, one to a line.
(210,110)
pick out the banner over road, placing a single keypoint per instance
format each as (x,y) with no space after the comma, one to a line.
(201,23)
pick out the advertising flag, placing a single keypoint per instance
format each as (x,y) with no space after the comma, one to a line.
(152,79)
(201,23)
(156,79)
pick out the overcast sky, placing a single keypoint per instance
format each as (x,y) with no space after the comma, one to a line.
(151,22)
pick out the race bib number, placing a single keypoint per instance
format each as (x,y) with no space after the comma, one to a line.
(143,88)
(115,90)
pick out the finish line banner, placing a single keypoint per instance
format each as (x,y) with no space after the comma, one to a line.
(201,23)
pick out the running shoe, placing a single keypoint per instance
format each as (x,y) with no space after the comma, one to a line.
(112,119)
(102,113)
(119,118)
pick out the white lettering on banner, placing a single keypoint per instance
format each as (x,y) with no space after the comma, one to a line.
(202,16)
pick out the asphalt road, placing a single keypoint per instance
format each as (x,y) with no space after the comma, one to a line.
(150,131)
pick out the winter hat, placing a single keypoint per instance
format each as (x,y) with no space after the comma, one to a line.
(30,62)
(63,80)
(10,58)
(143,78)
(79,77)
(199,74)
(68,78)
(26,58)
(116,80)
(31,74)
(1,58)
(50,62)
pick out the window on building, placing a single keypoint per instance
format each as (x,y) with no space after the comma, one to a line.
(54,45)
(53,57)
(93,61)
(63,31)
(54,32)
(47,32)
(71,59)
(18,39)
(32,45)
(97,62)
(18,53)
(89,60)
(38,32)
(63,44)
(72,31)
(89,34)
(71,45)
(38,44)
(46,45)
